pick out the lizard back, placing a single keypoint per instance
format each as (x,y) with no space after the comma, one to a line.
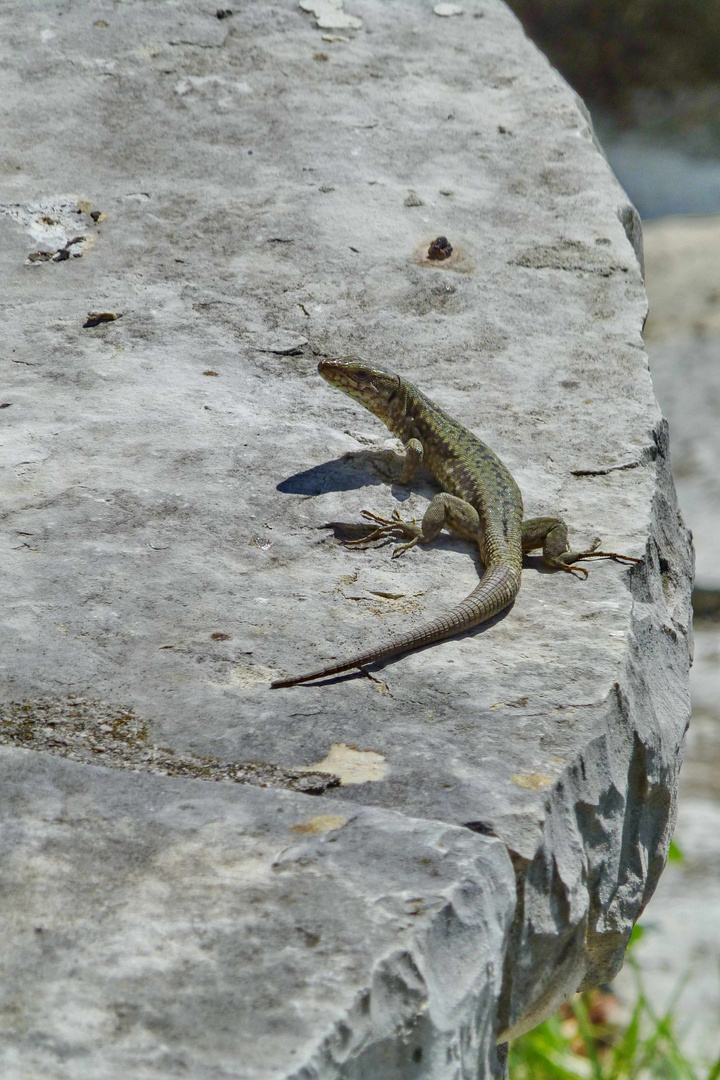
(464,466)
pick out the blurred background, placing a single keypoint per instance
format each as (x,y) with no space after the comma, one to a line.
(649,71)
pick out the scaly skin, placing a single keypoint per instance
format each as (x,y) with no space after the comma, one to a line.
(480,501)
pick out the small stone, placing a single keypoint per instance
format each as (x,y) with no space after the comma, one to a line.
(440,249)
(330,14)
(96,317)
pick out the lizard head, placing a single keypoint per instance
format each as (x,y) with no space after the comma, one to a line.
(373,387)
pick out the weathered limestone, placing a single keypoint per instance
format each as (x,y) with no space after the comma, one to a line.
(252,192)
(162,927)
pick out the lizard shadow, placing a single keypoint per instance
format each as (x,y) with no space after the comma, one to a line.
(356,530)
(535,562)
(356,469)
(371,670)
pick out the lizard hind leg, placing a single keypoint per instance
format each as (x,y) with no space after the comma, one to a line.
(552,535)
(444,511)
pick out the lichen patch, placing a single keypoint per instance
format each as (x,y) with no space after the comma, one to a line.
(97,733)
(353,766)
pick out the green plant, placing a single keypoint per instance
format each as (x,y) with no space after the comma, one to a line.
(589,1039)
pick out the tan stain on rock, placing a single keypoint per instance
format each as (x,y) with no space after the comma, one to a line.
(531,781)
(245,675)
(322,823)
(353,766)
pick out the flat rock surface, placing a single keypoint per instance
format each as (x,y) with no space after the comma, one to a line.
(245,195)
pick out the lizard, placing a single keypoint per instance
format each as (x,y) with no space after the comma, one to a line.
(480,501)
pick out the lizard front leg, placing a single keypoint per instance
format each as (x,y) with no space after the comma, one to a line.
(551,535)
(411,462)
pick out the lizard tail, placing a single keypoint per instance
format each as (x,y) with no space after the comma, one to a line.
(495,591)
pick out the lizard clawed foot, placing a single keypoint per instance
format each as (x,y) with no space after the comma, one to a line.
(562,561)
(576,570)
(386,527)
(383,528)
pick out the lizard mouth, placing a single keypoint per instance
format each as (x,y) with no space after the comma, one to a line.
(344,372)
(338,366)
(372,387)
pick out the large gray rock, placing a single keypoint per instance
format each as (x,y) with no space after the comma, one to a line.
(163,929)
(248,193)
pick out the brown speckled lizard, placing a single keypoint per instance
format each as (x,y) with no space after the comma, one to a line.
(480,502)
